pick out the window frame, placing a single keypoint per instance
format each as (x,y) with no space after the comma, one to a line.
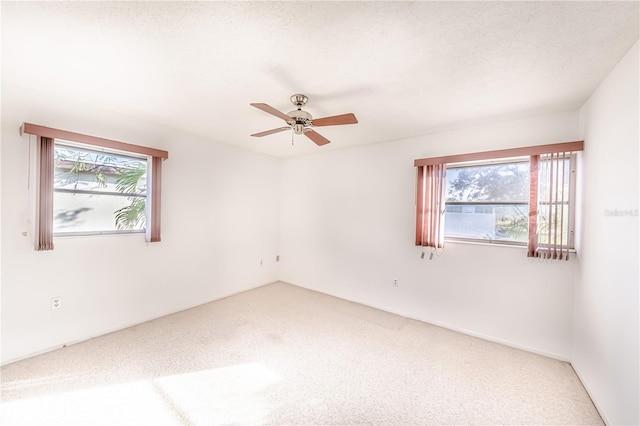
(489,162)
(80,146)
(571,203)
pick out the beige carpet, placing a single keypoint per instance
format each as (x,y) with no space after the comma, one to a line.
(280,354)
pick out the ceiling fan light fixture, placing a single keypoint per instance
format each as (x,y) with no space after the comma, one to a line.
(299,128)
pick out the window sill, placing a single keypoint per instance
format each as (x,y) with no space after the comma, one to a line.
(492,244)
(485,243)
(96,234)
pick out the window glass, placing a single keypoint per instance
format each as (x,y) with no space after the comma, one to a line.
(98,192)
(488,202)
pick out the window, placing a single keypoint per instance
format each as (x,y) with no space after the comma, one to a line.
(97,185)
(515,196)
(97,192)
(488,202)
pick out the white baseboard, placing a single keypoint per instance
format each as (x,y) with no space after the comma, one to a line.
(585,384)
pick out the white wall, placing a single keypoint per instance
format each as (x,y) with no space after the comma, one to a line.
(605,332)
(220,216)
(347,229)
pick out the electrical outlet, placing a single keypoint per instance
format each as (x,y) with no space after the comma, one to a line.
(278,258)
(395,282)
(260,262)
(56,303)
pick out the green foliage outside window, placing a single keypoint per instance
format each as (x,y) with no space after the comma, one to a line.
(133,215)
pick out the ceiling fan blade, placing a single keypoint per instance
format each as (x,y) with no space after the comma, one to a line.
(270,132)
(271,110)
(316,137)
(335,120)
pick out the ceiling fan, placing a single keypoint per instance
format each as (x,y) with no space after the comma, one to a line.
(301,123)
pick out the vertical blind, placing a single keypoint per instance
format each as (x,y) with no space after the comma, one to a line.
(550,209)
(153,230)
(44,213)
(431,204)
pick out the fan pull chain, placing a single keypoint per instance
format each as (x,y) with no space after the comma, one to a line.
(292,136)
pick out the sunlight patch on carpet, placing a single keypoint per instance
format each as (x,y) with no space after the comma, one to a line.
(234,394)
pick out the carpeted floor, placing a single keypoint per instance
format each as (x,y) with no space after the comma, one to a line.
(280,354)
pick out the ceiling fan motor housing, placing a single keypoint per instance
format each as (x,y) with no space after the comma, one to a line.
(300,120)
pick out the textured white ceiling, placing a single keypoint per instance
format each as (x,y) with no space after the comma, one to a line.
(404,68)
